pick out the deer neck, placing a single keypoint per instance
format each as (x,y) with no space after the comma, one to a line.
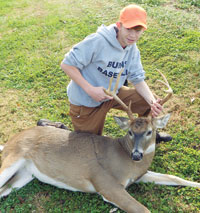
(126,144)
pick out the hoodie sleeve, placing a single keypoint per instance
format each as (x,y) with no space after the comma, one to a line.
(136,72)
(82,53)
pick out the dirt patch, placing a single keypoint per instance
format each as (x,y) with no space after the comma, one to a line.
(194,55)
(35,10)
(185,111)
(13,116)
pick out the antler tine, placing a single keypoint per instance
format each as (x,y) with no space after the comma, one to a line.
(117,82)
(169,91)
(129,112)
(110,83)
(113,94)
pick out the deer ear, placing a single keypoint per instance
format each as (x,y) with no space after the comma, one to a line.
(122,122)
(161,122)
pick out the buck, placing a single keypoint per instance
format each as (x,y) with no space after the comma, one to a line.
(87,162)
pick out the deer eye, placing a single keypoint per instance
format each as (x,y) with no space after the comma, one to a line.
(130,133)
(149,132)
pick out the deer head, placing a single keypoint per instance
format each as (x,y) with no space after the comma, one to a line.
(142,130)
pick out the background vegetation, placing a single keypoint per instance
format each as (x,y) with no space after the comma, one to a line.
(35,35)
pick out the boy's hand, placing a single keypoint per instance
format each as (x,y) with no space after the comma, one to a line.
(98,94)
(156,108)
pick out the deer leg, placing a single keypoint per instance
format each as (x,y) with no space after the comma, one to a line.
(114,193)
(9,167)
(164,179)
(19,180)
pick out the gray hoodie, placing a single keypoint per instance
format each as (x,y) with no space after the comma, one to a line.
(99,57)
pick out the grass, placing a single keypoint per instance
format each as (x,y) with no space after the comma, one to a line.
(35,35)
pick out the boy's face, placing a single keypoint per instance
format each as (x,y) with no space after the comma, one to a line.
(129,36)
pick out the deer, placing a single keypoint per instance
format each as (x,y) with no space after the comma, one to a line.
(80,161)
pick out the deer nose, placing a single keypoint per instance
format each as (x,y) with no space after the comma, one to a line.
(136,155)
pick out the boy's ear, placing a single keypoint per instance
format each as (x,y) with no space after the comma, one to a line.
(118,24)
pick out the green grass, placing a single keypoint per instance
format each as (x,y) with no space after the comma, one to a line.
(35,35)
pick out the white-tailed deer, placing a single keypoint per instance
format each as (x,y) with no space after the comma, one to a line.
(87,162)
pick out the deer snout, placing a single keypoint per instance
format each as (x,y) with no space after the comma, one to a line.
(136,155)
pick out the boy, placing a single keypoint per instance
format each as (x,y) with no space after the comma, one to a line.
(91,63)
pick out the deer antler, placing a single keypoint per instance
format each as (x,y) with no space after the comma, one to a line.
(169,91)
(128,108)
(113,94)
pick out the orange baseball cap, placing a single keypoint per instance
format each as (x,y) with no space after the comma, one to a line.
(132,16)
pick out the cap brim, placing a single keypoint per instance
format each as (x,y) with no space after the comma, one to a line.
(134,24)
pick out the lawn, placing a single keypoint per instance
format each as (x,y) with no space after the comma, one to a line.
(34,37)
